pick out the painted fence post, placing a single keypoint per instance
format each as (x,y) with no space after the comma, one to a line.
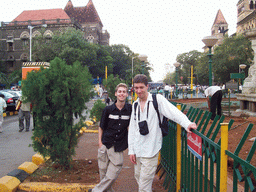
(178,155)
(224,157)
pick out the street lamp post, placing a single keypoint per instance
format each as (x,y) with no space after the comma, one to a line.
(176,65)
(132,70)
(30,38)
(143,58)
(242,67)
(209,42)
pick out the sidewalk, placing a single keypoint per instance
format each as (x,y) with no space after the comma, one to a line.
(88,147)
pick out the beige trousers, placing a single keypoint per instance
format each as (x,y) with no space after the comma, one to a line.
(110,165)
(145,170)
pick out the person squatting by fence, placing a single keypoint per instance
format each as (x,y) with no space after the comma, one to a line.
(144,149)
(113,133)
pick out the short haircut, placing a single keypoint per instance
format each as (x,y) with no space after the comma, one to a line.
(121,85)
(1,95)
(140,78)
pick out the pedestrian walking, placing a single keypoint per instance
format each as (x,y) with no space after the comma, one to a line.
(107,100)
(214,98)
(145,135)
(113,133)
(24,113)
(100,91)
(2,107)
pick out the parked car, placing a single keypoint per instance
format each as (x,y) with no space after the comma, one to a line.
(15,93)
(10,100)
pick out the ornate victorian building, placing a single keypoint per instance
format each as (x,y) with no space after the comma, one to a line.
(15,35)
(246,15)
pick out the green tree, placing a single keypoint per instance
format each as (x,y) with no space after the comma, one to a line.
(170,78)
(97,109)
(110,85)
(234,50)
(202,70)
(187,60)
(71,46)
(57,94)
(123,58)
(8,79)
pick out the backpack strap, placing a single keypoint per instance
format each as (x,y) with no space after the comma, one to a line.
(156,108)
(135,107)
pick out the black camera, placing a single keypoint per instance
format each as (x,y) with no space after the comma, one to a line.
(143,125)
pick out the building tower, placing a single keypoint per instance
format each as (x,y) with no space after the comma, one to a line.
(90,21)
(219,27)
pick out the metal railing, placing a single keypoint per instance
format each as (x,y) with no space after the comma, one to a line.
(182,171)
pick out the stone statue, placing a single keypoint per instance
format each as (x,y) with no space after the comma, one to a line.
(249,86)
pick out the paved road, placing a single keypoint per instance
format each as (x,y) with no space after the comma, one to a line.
(14,145)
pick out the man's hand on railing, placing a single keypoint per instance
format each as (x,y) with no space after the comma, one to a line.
(191,127)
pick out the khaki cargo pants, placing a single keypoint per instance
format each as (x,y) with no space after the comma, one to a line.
(110,165)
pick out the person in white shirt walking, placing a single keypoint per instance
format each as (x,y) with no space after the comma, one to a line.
(215,101)
(2,107)
(144,149)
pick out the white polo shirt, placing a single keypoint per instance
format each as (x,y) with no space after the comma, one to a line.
(150,144)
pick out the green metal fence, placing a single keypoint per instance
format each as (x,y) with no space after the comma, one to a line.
(204,175)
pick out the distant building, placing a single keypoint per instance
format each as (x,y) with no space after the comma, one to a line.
(14,35)
(219,28)
(246,16)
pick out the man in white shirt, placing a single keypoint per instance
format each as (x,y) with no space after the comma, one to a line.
(166,91)
(144,149)
(2,107)
(215,101)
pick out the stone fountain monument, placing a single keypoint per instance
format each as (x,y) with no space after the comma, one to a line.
(248,96)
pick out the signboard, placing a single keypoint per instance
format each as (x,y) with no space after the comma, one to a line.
(195,145)
(237,75)
(32,66)
(231,85)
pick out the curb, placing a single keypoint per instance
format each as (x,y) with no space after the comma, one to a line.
(14,179)
(10,113)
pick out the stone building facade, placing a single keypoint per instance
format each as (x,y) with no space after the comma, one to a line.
(15,35)
(246,15)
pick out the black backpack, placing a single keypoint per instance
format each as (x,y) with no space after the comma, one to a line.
(164,124)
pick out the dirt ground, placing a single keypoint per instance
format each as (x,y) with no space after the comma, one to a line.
(85,168)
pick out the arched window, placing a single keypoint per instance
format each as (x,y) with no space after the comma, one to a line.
(24,36)
(90,38)
(48,35)
(251,5)
(35,34)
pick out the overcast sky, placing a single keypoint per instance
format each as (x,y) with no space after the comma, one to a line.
(160,29)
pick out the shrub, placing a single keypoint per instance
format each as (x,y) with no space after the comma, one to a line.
(97,110)
(57,94)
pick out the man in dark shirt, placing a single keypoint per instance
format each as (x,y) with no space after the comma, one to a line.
(113,139)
